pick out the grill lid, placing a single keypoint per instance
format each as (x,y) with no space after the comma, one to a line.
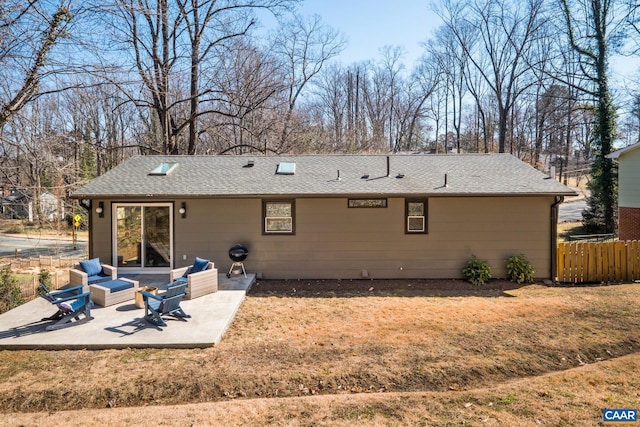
(238,253)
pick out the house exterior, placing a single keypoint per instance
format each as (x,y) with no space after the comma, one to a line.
(325,216)
(14,204)
(628,191)
(18,204)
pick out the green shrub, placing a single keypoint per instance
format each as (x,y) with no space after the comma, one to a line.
(477,271)
(45,278)
(10,293)
(519,269)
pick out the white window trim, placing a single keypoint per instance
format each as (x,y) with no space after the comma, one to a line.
(266,225)
(413,230)
(291,219)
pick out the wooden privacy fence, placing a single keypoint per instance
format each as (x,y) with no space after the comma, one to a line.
(581,262)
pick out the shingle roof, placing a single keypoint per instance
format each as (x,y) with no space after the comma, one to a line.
(317,175)
(618,153)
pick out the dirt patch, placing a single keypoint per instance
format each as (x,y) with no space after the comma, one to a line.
(359,288)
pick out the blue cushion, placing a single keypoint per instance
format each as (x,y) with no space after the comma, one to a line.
(98,278)
(117,285)
(92,267)
(199,265)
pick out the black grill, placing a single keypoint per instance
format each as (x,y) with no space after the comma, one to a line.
(238,253)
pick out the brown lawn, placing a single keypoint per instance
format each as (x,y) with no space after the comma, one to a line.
(360,352)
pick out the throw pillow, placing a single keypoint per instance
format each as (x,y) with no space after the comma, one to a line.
(66,307)
(199,265)
(92,267)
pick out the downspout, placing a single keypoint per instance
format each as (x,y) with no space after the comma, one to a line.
(554,236)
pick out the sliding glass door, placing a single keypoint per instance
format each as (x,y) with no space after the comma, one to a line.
(143,236)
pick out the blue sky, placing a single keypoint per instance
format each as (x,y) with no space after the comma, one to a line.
(370,25)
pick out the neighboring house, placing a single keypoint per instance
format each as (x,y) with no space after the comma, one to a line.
(14,204)
(51,207)
(628,191)
(325,216)
(18,204)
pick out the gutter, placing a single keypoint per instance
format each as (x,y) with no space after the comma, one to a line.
(554,236)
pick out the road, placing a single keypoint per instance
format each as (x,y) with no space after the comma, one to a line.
(34,247)
(571,211)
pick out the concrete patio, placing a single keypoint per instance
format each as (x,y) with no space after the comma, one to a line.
(123,325)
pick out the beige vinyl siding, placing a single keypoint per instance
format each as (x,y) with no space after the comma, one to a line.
(101,232)
(333,241)
(213,226)
(493,229)
(629,179)
(336,242)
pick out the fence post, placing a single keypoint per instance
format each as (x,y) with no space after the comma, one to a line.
(635,260)
(560,263)
(573,261)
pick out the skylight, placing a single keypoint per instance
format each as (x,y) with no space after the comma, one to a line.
(164,169)
(286,168)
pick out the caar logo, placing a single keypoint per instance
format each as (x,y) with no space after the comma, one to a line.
(619,416)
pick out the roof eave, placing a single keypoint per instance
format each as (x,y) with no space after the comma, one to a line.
(618,153)
(319,195)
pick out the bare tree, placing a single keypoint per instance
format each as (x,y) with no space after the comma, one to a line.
(424,83)
(392,68)
(248,82)
(504,33)
(331,93)
(28,33)
(303,47)
(171,43)
(448,53)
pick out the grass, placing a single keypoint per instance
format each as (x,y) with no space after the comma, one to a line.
(21,277)
(522,356)
(568,229)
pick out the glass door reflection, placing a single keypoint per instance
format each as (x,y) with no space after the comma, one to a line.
(143,235)
(129,235)
(156,236)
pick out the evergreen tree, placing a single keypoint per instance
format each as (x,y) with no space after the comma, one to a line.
(600,217)
(592,38)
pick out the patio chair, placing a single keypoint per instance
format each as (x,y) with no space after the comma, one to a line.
(201,278)
(167,303)
(71,302)
(90,272)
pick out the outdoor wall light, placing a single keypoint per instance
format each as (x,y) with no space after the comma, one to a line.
(100,209)
(183,210)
